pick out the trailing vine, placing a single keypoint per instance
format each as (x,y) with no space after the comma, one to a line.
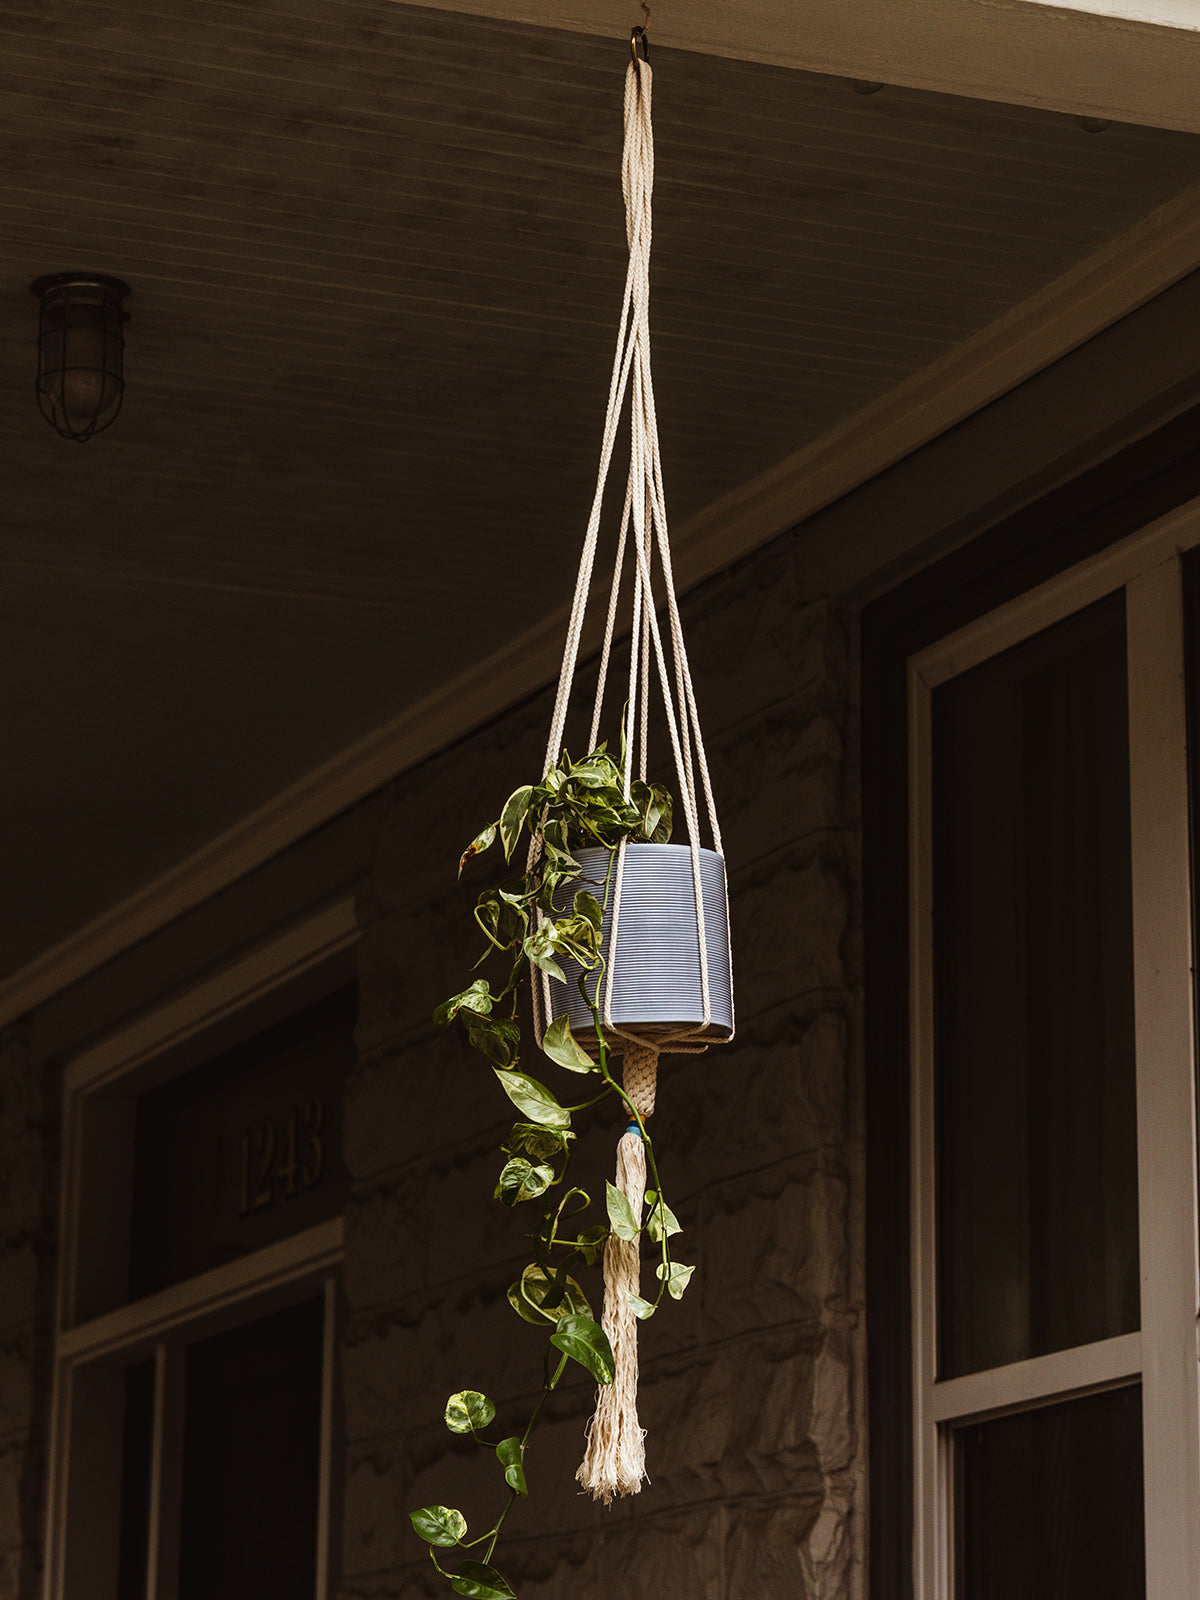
(577,805)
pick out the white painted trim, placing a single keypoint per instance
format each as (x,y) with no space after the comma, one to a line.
(1058,1376)
(329,1358)
(299,1257)
(157,1326)
(1039,608)
(1147,259)
(288,956)
(162,1552)
(1130,60)
(931,1519)
(58,1456)
(1166,1109)
(306,945)
(1158,13)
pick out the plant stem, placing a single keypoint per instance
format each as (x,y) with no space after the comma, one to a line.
(586,1105)
(548,1387)
(512,1496)
(650,1160)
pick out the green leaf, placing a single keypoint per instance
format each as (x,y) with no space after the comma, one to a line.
(440,1525)
(572,937)
(516,808)
(653,806)
(656,815)
(586,905)
(478,999)
(620,1213)
(498,1038)
(591,1243)
(502,920)
(662,1221)
(678,1281)
(598,771)
(477,846)
(554,836)
(552,877)
(468,1411)
(561,865)
(561,1045)
(585,1341)
(534,1099)
(480,1582)
(529,1296)
(540,1143)
(539,947)
(524,1310)
(520,1180)
(511,1455)
(640,1308)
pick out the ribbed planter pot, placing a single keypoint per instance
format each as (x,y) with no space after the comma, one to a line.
(656,965)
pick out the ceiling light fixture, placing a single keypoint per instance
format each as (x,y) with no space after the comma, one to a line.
(81,346)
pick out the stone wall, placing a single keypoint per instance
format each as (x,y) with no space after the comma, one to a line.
(752,1385)
(28,1187)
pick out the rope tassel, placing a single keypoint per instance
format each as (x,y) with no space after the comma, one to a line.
(615,1460)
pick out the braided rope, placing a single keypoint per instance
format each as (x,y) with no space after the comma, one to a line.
(639,1073)
(614,1462)
(615,1458)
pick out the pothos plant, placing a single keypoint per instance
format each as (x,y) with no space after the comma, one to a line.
(578,804)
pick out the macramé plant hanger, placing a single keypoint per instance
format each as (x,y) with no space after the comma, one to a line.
(667,980)
(638,968)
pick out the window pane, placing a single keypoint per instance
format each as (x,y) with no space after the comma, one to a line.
(1050,1503)
(251,1460)
(244,1150)
(1037,1176)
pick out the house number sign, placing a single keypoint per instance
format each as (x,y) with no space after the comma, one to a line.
(244,1149)
(282,1156)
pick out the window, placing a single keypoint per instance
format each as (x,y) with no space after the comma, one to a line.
(1056,1416)
(192,1430)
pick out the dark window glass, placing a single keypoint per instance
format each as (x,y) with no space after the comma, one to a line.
(251,1459)
(1050,1503)
(244,1150)
(1035,1094)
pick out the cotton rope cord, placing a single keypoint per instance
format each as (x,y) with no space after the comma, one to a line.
(614,1463)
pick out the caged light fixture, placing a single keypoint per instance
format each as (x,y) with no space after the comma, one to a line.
(81,346)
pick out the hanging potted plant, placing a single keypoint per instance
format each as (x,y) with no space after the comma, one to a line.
(553,924)
(624,938)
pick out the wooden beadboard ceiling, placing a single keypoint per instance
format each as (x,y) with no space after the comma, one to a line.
(376,254)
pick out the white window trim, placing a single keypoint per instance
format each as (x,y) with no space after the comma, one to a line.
(299,1266)
(1164,1354)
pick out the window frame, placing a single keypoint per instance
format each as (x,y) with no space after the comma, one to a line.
(1163,1354)
(92,1347)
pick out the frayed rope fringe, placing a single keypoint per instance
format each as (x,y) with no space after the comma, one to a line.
(615,1460)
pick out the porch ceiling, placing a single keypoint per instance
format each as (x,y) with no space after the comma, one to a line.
(376,254)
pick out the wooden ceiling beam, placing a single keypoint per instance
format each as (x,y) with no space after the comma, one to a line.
(1118,60)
